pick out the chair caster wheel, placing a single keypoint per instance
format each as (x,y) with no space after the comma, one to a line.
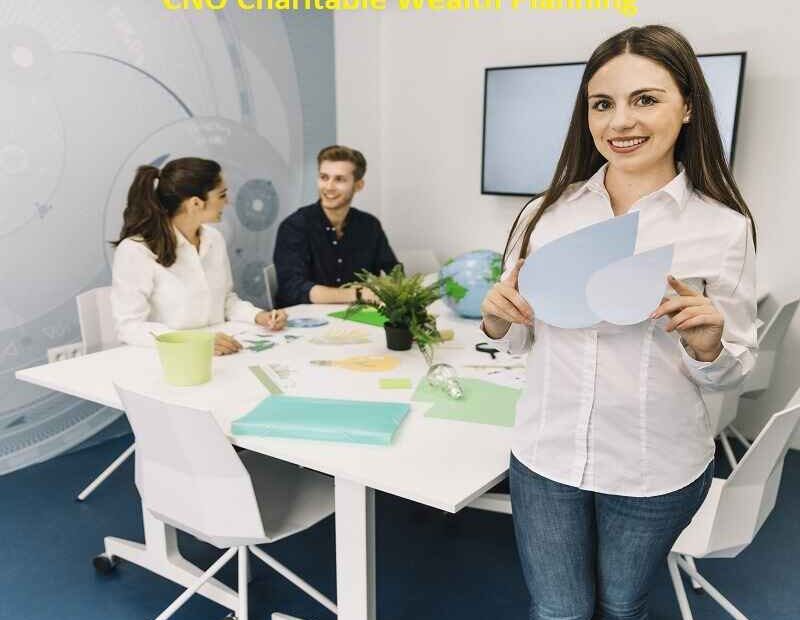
(105,564)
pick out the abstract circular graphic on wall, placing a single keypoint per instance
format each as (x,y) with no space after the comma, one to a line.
(89,95)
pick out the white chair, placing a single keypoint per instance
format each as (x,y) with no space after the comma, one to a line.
(735,509)
(94,317)
(723,406)
(722,409)
(270,284)
(418,261)
(97,334)
(190,477)
(769,343)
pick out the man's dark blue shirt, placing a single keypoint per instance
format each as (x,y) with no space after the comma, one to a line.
(307,252)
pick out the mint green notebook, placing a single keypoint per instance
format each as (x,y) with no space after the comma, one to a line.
(350,421)
(370,316)
(484,402)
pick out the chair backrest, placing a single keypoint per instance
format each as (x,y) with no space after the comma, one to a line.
(188,474)
(270,284)
(418,261)
(722,406)
(96,320)
(749,494)
(769,342)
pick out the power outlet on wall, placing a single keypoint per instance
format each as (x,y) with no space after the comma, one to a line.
(65,352)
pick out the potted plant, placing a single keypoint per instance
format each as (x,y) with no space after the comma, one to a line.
(404,302)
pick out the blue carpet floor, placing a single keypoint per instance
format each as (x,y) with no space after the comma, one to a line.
(430,565)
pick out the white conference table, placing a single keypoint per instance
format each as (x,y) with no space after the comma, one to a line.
(442,463)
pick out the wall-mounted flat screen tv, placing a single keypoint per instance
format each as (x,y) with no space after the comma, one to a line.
(526,112)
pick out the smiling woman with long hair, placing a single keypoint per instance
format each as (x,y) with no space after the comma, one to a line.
(613,451)
(171,270)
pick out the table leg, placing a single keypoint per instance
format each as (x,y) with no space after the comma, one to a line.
(160,554)
(355,550)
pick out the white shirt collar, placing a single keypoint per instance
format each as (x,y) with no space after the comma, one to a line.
(205,240)
(679,188)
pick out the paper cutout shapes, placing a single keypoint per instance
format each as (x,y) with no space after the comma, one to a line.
(365,363)
(626,292)
(593,275)
(553,279)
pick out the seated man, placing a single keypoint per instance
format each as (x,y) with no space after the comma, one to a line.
(321,246)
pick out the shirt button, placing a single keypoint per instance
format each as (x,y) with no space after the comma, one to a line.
(338,260)
(335,243)
(338,279)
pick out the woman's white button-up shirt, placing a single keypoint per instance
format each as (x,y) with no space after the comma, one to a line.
(617,409)
(194,292)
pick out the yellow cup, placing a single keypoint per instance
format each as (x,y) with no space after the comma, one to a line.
(186,356)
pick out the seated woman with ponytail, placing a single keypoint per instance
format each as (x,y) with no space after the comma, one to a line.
(171,271)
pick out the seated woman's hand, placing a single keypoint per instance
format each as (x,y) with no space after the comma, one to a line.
(504,305)
(225,344)
(272,319)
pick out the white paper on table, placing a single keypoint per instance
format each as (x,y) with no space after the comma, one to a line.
(554,278)
(628,290)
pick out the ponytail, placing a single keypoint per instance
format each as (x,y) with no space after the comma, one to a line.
(155,197)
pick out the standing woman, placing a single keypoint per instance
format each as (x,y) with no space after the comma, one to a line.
(171,271)
(613,451)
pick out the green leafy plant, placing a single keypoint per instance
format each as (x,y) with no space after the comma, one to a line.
(403,301)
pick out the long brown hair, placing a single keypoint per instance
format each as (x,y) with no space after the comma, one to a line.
(698,145)
(156,195)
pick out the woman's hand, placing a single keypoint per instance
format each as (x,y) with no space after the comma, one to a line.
(225,344)
(696,319)
(504,305)
(272,319)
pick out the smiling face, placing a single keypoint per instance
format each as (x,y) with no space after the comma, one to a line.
(636,112)
(215,203)
(337,184)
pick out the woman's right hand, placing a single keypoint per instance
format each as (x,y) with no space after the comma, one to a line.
(504,305)
(225,344)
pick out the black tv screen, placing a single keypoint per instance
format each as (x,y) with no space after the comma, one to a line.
(526,112)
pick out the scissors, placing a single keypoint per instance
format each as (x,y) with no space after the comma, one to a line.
(484,347)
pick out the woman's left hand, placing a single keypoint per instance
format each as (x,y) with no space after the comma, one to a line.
(272,319)
(696,319)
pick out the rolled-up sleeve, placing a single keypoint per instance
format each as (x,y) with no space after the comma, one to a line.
(292,260)
(733,293)
(132,284)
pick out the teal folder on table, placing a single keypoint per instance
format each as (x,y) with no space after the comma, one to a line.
(350,421)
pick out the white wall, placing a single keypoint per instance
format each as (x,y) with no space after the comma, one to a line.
(423,73)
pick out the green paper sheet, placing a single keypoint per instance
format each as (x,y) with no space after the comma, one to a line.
(327,419)
(483,402)
(370,316)
(265,380)
(392,383)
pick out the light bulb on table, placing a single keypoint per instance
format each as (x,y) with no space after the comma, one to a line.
(444,377)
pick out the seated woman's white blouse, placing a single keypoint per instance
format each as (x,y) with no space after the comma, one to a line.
(194,292)
(617,409)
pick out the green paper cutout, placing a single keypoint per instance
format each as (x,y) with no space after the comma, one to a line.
(483,402)
(370,316)
(392,383)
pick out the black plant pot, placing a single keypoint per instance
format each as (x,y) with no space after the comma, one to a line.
(398,337)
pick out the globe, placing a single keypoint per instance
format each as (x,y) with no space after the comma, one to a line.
(467,279)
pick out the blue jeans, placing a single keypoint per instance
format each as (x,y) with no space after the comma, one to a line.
(588,555)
